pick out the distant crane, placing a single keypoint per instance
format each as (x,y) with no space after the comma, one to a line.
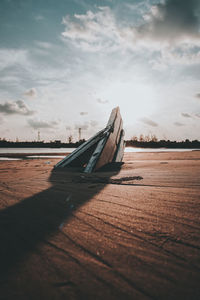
(38,136)
(79,133)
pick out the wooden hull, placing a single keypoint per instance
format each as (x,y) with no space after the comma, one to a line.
(105,147)
(107,153)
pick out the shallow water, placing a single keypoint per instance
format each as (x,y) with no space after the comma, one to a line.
(69,150)
(135,149)
(9,158)
(48,151)
(36,150)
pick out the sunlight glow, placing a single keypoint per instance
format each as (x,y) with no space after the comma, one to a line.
(134,99)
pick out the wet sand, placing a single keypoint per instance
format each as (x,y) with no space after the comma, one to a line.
(131,232)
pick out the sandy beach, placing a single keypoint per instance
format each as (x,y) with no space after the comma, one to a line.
(131,231)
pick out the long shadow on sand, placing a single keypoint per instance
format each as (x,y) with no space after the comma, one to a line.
(33,220)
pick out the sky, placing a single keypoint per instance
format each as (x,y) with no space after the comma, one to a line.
(64,64)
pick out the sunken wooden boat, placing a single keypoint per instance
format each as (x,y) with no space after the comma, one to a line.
(104,147)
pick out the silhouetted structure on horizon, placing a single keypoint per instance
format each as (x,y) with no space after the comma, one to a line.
(39,144)
(141,143)
(163,144)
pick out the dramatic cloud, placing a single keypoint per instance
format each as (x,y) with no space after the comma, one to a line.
(186,115)
(32,93)
(102,101)
(197,95)
(37,124)
(168,23)
(18,108)
(141,55)
(149,122)
(172,21)
(178,124)
(83,113)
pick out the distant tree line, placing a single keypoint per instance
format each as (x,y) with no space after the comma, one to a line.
(143,141)
(39,144)
(151,141)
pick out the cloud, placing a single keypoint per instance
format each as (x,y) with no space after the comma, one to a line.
(32,93)
(67,127)
(197,95)
(186,115)
(169,31)
(37,124)
(83,113)
(178,124)
(186,54)
(171,21)
(17,107)
(149,122)
(102,101)
(92,31)
(10,57)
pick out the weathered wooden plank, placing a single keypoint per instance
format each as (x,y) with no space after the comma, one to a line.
(120,148)
(111,144)
(95,156)
(81,149)
(106,148)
